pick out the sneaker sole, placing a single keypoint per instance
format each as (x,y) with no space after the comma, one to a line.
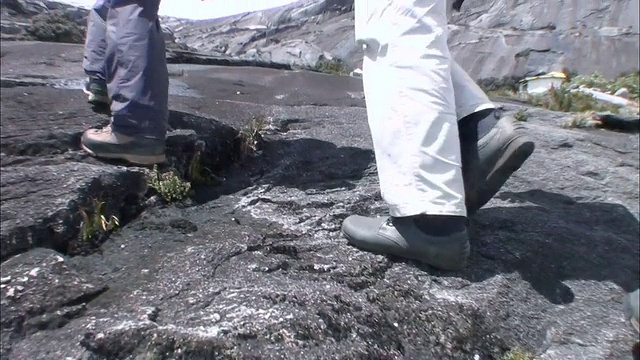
(96,99)
(450,263)
(134,159)
(513,156)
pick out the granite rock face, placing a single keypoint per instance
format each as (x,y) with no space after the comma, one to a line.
(254,267)
(517,38)
(489,38)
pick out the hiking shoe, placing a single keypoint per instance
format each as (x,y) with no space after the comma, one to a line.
(499,154)
(96,89)
(108,144)
(631,305)
(401,237)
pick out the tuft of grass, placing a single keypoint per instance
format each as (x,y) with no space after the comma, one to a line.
(251,135)
(521,115)
(94,223)
(582,120)
(168,184)
(518,354)
(333,66)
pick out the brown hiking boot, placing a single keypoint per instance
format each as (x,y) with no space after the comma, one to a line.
(488,166)
(108,144)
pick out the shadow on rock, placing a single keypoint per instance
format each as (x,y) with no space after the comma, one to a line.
(307,164)
(556,239)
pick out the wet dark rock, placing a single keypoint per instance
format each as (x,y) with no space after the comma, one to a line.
(254,267)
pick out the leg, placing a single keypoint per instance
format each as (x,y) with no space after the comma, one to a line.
(95,53)
(492,148)
(138,83)
(411,113)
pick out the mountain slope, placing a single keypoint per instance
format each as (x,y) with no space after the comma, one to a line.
(490,38)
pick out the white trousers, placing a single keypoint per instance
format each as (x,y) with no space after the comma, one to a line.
(415,94)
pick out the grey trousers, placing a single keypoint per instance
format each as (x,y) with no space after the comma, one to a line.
(125,47)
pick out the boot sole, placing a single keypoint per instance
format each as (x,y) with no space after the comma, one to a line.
(134,159)
(513,156)
(441,261)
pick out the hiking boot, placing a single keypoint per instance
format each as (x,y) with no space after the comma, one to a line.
(488,166)
(96,89)
(400,236)
(631,306)
(108,144)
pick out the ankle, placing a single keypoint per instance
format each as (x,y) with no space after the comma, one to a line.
(440,225)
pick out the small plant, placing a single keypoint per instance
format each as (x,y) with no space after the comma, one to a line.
(521,115)
(196,172)
(95,223)
(518,354)
(168,184)
(251,135)
(333,66)
(583,120)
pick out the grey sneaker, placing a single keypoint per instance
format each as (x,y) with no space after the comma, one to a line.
(631,305)
(499,154)
(96,89)
(108,144)
(401,237)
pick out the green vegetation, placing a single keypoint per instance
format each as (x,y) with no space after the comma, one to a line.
(566,98)
(251,135)
(333,66)
(629,80)
(55,27)
(521,115)
(94,223)
(168,184)
(518,354)
(198,174)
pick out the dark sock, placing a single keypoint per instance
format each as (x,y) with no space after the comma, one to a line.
(440,225)
(486,124)
(477,125)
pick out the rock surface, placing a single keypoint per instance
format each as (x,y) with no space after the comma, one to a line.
(255,267)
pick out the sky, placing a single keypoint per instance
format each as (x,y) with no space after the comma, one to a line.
(202,9)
